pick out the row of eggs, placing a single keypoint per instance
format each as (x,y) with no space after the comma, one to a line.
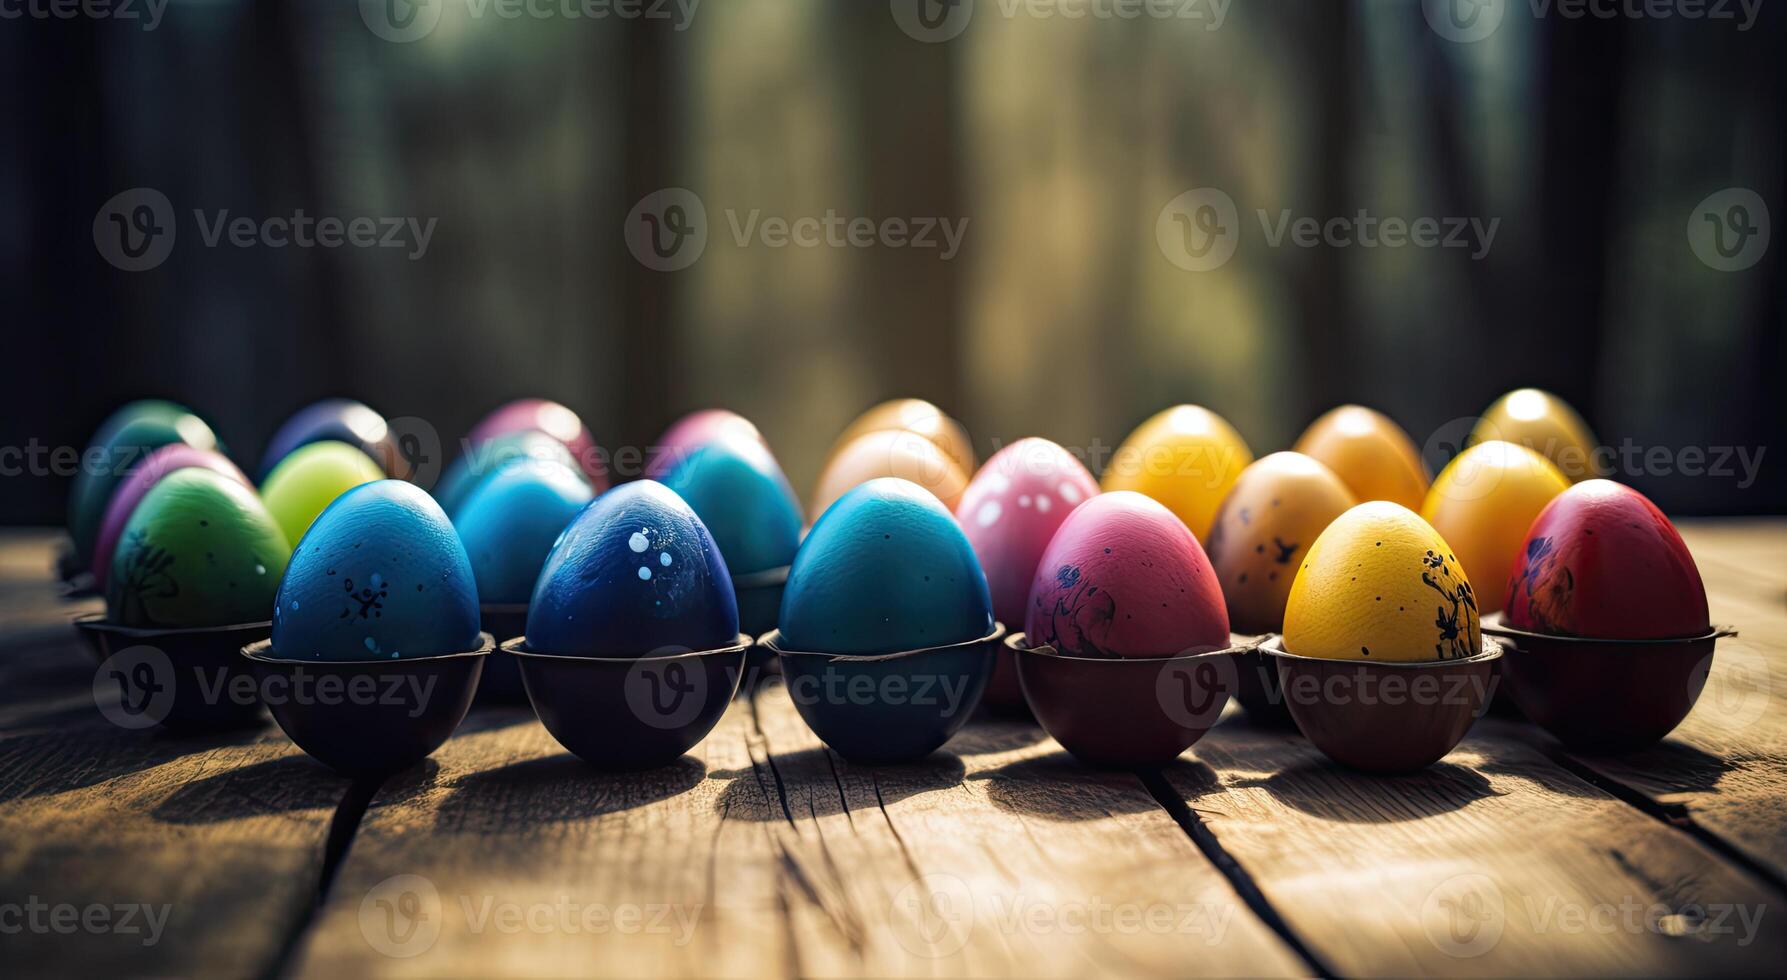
(381,571)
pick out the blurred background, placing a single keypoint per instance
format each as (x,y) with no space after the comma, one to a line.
(1051,143)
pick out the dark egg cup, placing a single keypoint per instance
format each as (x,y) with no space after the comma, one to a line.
(1005,694)
(1385,716)
(1256,683)
(1604,695)
(187,680)
(887,708)
(76,578)
(1125,713)
(759,606)
(630,713)
(501,683)
(369,717)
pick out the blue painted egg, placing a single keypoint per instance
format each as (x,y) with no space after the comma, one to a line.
(379,575)
(885,568)
(481,460)
(636,573)
(511,520)
(739,492)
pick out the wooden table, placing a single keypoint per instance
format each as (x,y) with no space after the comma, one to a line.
(763,853)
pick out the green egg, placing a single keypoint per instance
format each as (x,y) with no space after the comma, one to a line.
(200,550)
(310,478)
(131,433)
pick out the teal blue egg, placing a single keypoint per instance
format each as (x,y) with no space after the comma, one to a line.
(886,568)
(481,461)
(510,521)
(739,492)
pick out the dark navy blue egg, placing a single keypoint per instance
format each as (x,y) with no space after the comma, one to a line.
(380,575)
(740,494)
(483,460)
(511,520)
(636,573)
(885,568)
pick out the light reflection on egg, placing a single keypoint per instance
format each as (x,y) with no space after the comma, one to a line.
(1371,454)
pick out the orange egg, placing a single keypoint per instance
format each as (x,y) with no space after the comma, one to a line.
(1187,458)
(1276,510)
(1546,424)
(1370,454)
(1483,503)
(914,415)
(890,452)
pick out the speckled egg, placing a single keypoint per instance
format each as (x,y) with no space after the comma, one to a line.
(693,431)
(510,522)
(1010,512)
(1370,454)
(380,575)
(1380,584)
(636,573)
(555,420)
(741,496)
(1276,510)
(884,569)
(1187,458)
(199,550)
(136,486)
(1124,577)
(482,460)
(1482,504)
(310,478)
(912,415)
(336,419)
(898,453)
(122,442)
(1544,423)
(1602,561)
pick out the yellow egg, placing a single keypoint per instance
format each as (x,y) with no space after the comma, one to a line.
(1483,503)
(1541,421)
(309,479)
(1370,454)
(1275,511)
(890,452)
(914,415)
(1187,458)
(1380,584)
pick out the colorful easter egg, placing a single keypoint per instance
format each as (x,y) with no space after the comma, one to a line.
(482,460)
(1275,511)
(309,479)
(693,431)
(898,453)
(332,419)
(1370,454)
(1482,504)
(1546,424)
(1186,457)
(136,486)
(1011,510)
(510,522)
(913,415)
(744,501)
(555,420)
(125,438)
(199,550)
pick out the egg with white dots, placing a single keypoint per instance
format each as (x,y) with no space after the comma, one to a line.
(635,574)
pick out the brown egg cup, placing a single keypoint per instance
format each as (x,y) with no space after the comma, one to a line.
(1370,715)
(1256,683)
(191,687)
(630,713)
(388,715)
(759,606)
(501,683)
(1604,695)
(1125,713)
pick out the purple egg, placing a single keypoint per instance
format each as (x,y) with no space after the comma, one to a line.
(339,419)
(136,486)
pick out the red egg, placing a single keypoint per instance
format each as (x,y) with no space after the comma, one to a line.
(1123,577)
(137,485)
(1602,561)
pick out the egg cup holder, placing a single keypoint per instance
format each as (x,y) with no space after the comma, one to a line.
(501,683)
(1385,716)
(187,680)
(1129,712)
(1005,694)
(887,708)
(1256,683)
(630,713)
(759,606)
(1604,695)
(76,580)
(369,717)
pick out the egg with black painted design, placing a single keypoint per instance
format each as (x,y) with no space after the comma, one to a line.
(380,575)
(1275,511)
(635,574)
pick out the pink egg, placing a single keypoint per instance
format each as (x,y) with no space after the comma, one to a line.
(693,431)
(555,420)
(1123,577)
(136,486)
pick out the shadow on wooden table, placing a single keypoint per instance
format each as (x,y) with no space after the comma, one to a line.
(557,787)
(231,795)
(1059,787)
(805,768)
(1321,789)
(109,753)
